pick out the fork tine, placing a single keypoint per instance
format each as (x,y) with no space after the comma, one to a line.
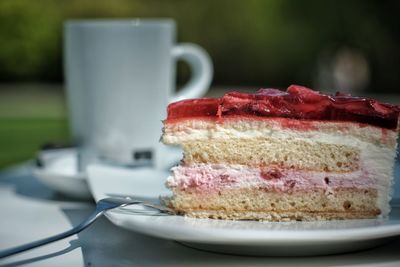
(135,197)
(125,199)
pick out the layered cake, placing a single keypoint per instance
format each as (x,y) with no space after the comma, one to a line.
(278,156)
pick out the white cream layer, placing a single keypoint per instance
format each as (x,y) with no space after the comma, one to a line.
(330,132)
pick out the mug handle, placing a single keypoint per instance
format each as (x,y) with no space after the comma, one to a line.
(202,70)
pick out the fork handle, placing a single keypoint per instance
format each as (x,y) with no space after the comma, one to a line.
(38,243)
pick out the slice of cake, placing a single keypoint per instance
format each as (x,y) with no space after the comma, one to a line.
(277,156)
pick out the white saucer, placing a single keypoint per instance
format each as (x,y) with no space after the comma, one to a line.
(60,173)
(60,170)
(237,237)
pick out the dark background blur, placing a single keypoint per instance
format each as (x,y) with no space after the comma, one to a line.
(264,43)
(328,45)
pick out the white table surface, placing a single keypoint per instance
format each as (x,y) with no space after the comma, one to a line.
(30,211)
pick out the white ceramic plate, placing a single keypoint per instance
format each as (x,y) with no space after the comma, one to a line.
(237,237)
(60,173)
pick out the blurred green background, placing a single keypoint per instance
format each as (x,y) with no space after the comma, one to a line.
(328,45)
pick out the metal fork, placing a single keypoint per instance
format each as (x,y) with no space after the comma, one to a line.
(102,206)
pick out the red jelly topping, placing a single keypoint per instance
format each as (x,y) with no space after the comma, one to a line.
(297,102)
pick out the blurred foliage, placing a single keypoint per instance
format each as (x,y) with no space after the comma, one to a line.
(30,115)
(254,42)
(20,138)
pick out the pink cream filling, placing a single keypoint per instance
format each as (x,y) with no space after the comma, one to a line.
(206,178)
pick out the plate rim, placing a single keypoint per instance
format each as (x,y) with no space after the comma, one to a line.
(229,235)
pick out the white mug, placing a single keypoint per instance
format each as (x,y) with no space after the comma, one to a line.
(120,77)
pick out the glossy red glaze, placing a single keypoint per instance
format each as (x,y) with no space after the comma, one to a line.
(297,102)
(203,107)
